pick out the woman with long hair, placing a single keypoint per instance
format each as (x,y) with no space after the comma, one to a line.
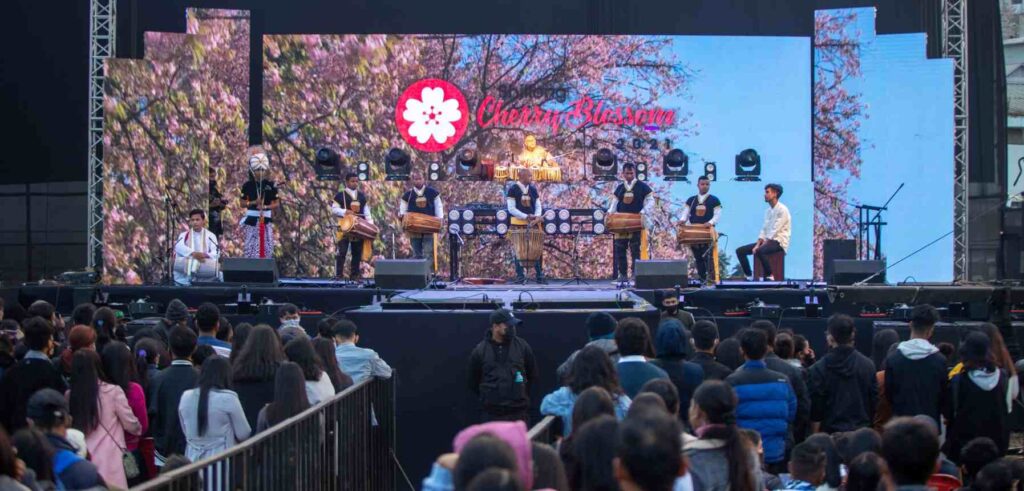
(254,369)
(100,410)
(37,453)
(868,472)
(593,451)
(590,405)
(1003,361)
(119,365)
(881,343)
(149,352)
(211,414)
(324,348)
(289,397)
(241,333)
(720,458)
(104,321)
(318,383)
(591,368)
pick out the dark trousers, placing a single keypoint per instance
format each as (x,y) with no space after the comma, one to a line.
(505,415)
(768,248)
(701,257)
(357,258)
(619,246)
(538,268)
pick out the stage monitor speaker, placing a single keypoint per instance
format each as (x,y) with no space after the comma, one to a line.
(850,271)
(834,249)
(249,271)
(402,274)
(661,273)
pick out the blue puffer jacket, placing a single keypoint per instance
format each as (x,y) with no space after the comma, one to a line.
(766,405)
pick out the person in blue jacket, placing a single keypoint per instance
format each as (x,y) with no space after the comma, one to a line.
(767,403)
(591,368)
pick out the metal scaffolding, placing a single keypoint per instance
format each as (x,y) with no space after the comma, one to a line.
(954,46)
(102,31)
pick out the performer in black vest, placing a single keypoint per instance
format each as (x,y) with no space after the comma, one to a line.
(426,200)
(351,200)
(523,203)
(216,205)
(630,197)
(259,196)
(703,209)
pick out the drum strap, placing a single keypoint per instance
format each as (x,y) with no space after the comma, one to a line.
(644,253)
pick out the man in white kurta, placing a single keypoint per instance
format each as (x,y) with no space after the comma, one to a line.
(196,246)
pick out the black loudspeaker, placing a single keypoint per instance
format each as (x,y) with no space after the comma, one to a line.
(834,249)
(249,270)
(660,273)
(402,274)
(850,271)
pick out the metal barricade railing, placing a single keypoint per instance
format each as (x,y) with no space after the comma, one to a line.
(343,443)
(545,430)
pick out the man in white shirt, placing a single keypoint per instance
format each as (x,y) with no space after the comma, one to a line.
(351,200)
(702,209)
(194,247)
(774,236)
(523,203)
(426,200)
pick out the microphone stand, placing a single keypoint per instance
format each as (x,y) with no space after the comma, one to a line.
(169,253)
(576,275)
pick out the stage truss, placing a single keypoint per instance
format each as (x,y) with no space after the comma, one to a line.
(102,32)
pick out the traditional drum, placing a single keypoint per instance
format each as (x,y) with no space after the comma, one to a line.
(420,223)
(207,270)
(695,234)
(357,227)
(528,243)
(623,223)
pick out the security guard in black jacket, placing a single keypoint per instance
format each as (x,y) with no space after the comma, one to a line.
(501,369)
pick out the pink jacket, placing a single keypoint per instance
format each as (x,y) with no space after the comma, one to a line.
(106,442)
(514,434)
(137,401)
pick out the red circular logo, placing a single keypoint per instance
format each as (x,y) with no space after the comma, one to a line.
(432,115)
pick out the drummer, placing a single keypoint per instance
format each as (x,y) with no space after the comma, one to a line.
(426,200)
(631,196)
(523,203)
(351,200)
(194,246)
(704,210)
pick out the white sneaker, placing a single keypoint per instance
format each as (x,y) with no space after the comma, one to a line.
(769,278)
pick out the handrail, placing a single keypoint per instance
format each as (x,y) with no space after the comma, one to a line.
(541,432)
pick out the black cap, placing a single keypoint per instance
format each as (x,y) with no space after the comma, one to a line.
(47,406)
(504,316)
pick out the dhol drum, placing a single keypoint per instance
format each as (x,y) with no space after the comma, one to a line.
(695,234)
(528,243)
(207,270)
(420,223)
(623,223)
(358,228)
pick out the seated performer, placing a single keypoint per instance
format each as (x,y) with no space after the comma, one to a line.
(523,203)
(351,200)
(195,246)
(426,200)
(535,156)
(259,196)
(774,236)
(703,209)
(630,197)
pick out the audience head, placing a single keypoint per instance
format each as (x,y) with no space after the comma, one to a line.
(182,341)
(853,443)
(514,434)
(38,334)
(82,337)
(241,334)
(215,374)
(36,451)
(86,375)
(807,463)
(119,364)
(289,394)
(633,337)
(8,458)
(105,323)
(346,331)
(880,344)
(300,351)
(996,476)
(1000,355)
(82,315)
(784,347)
(666,390)
(713,416)
(590,404)
(649,451)
(841,330)
(593,453)
(769,330)
(600,325)
(671,340)
(593,368)
(495,479)
(177,313)
(260,355)
(922,320)
(753,344)
(288,314)
(645,403)
(911,448)
(705,336)
(202,353)
(978,453)
(824,442)
(754,440)
(975,351)
(48,411)
(44,309)
(225,331)
(324,348)
(208,318)
(803,349)
(868,472)
(482,452)
(325,327)
(729,354)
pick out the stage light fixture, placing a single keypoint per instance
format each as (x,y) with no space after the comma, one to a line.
(675,165)
(604,165)
(557,221)
(435,171)
(748,166)
(501,222)
(711,171)
(598,217)
(327,165)
(467,165)
(397,165)
(363,171)
(468,229)
(641,171)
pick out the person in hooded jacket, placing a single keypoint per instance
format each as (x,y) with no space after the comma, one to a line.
(915,374)
(843,387)
(501,369)
(601,332)
(976,406)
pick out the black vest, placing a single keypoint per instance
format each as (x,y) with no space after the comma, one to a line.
(698,215)
(429,195)
(636,201)
(358,205)
(526,203)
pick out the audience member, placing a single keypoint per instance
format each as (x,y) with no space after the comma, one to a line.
(318,384)
(728,353)
(104,321)
(501,370)
(670,310)
(495,479)
(800,426)
(362,363)
(648,455)
(512,433)
(881,344)
(225,331)
(911,448)
(593,454)
(720,458)
(671,344)
(208,323)
(211,414)
(481,453)
(868,472)
(241,334)
(1003,361)
(290,323)
(166,389)
(201,353)
(833,462)
(948,351)
(12,469)
(844,391)
(48,412)
(324,347)
(325,328)
(149,354)
(176,314)
(591,404)
(36,452)
(46,310)
(768,480)
(591,368)
(646,402)
(80,337)
(119,366)
(997,476)
(254,370)
(101,411)
(806,468)
(915,375)
(785,349)
(668,393)
(804,353)
(976,406)
(975,455)
(600,333)
(705,340)
(766,401)
(853,443)
(83,314)
(33,372)
(946,466)
(289,397)
(634,341)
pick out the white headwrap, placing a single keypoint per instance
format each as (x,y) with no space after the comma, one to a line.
(259,161)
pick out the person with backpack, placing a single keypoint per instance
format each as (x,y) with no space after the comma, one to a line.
(976,406)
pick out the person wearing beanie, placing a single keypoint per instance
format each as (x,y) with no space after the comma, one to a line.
(601,333)
(976,406)
(175,315)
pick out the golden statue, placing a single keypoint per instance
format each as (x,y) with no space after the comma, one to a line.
(535,156)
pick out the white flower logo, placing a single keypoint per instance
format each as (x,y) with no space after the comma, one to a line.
(432,115)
